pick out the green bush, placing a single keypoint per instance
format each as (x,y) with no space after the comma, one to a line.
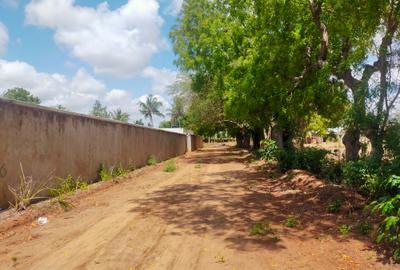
(170,166)
(356,173)
(389,229)
(334,206)
(268,151)
(152,160)
(67,185)
(332,170)
(103,173)
(310,159)
(286,160)
(364,228)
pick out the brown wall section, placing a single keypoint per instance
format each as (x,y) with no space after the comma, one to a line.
(48,141)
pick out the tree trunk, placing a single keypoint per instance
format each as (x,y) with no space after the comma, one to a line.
(239,140)
(377,151)
(276,135)
(257,135)
(246,140)
(351,141)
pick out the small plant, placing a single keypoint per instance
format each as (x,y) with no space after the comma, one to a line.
(260,229)
(291,221)
(364,228)
(334,206)
(65,205)
(103,173)
(26,192)
(67,185)
(152,160)
(197,166)
(344,229)
(170,166)
(118,171)
(220,259)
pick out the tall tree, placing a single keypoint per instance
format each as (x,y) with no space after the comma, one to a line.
(99,110)
(150,108)
(21,94)
(119,115)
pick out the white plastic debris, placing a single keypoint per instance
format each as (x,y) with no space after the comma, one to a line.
(42,220)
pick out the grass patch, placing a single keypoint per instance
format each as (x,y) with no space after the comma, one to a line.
(261,229)
(334,206)
(197,166)
(291,221)
(344,229)
(152,160)
(67,185)
(170,166)
(364,227)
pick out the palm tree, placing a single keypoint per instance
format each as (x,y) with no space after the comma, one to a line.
(119,115)
(150,107)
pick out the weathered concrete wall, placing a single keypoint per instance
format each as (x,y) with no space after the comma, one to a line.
(197,142)
(48,141)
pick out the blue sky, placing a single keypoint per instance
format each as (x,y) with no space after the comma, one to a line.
(73,52)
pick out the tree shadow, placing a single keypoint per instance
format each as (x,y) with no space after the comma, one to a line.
(228,203)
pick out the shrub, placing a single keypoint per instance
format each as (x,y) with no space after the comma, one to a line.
(331,170)
(117,171)
(364,228)
(291,221)
(356,173)
(67,185)
(268,151)
(334,206)
(170,166)
(344,229)
(152,160)
(310,159)
(103,173)
(389,229)
(286,160)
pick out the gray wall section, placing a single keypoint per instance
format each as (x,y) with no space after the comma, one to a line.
(51,142)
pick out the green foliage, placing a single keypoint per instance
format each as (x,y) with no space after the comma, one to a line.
(268,151)
(119,115)
(311,159)
(344,229)
(291,221)
(334,206)
(21,94)
(389,229)
(261,229)
(103,173)
(356,173)
(332,170)
(170,166)
(139,122)
(364,227)
(152,160)
(150,107)
(67,185)
(165,124)
(99,110)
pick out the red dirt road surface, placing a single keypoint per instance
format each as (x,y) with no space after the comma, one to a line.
(205,215)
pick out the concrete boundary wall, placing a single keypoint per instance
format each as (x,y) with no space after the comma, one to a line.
(51,142)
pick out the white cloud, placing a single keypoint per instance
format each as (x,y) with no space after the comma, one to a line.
(175,7)
(3,38)
(117,42)
(160,78)
(77,93)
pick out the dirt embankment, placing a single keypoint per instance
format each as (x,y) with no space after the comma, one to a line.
(205,215)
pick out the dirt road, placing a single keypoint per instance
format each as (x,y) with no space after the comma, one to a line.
(198,217)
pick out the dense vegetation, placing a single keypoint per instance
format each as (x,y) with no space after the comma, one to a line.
(284,68)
